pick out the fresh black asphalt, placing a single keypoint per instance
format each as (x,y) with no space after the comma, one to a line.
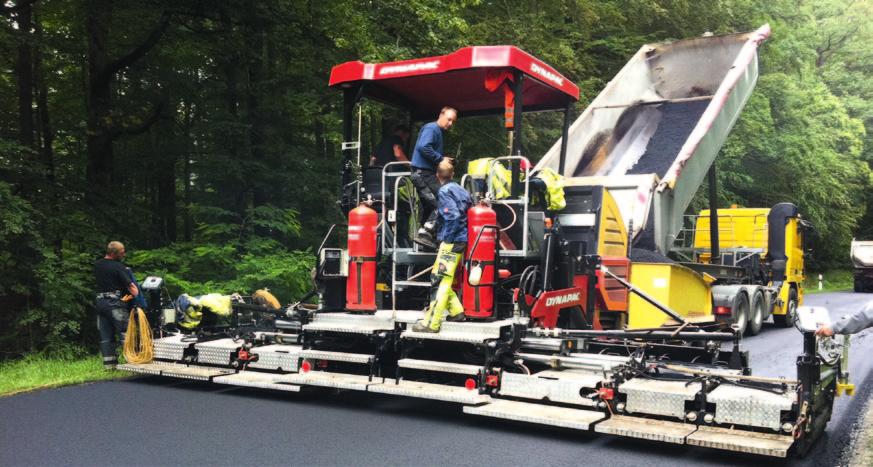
(155,421)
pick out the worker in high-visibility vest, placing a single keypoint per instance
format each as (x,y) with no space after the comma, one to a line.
(453,203)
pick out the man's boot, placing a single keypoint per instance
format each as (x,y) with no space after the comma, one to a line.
(421,327)
(425,236)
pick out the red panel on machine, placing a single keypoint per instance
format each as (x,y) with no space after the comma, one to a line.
(361,284)
(424,86)
(611,296)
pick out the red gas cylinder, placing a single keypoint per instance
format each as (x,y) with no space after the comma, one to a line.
(480,262)
(361,284)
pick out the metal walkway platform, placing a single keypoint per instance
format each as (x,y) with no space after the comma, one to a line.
(176,370)
(438,392)
(538,413)
(358,323)
(329,380)
(256,380)
(442,367)
(465,331)
(767,444)
(646,428)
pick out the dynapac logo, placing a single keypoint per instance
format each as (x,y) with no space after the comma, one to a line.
(562,299)
(420,66)
(546,74)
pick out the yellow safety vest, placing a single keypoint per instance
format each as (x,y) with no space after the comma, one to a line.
(500,177)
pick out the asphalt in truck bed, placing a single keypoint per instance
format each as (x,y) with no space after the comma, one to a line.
(162,421)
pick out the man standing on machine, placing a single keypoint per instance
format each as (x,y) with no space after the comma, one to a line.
(113,281)
(428,153)
(453,203)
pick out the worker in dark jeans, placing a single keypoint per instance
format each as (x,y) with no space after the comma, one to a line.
(428,153)
(113,282)
(453,203)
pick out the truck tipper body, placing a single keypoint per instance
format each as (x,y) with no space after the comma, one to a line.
(862,262)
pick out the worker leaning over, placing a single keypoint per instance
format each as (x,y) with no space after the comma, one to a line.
(113,281)
(428,153)
(850,324)
(452,206)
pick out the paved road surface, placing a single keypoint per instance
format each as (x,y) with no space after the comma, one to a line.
(154,421)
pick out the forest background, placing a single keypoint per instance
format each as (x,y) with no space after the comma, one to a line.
(204,136)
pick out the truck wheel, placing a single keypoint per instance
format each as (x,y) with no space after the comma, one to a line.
(787,320)
(741,315)
(756,321)
(859,285)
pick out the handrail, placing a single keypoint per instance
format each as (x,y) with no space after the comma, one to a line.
(385,175)
(524,199)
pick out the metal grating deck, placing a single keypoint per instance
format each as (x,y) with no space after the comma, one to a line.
(537,413)
(256,380)
(439,392)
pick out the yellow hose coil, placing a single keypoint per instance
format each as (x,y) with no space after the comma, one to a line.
(138,346)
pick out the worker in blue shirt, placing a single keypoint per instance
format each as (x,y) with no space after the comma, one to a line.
(428,153)
(453,203)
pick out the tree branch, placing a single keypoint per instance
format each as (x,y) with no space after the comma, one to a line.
(127,130)
(138,52)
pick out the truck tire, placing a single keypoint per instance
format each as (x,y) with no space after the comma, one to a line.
(859,285)
(757,311)
(787,320)
(741,313)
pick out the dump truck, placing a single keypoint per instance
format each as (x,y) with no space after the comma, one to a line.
(758,261)
(572,318)
(862,262)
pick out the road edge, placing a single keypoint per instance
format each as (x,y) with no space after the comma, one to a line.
(861,444)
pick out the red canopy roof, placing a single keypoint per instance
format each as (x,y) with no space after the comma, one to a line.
(425,85)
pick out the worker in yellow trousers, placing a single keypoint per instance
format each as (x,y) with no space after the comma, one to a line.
(453,203)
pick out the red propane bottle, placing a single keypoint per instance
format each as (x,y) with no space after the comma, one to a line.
(480,264)
(361,284)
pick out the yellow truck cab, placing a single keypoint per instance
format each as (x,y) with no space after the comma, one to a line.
(757,247)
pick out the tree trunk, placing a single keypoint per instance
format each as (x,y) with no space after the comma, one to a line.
(166,181)
(99,139)
(256,117)
(102,128)
(24,72)
(189,153)
(46,133)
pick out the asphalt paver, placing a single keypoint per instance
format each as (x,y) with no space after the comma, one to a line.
(158,421)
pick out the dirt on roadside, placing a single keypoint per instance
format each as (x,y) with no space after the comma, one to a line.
(862,446)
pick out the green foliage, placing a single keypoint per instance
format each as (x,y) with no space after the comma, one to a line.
(209,267)
(225,259)
(797,129)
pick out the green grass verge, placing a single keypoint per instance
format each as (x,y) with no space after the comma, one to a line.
(832,281)
(39,372)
